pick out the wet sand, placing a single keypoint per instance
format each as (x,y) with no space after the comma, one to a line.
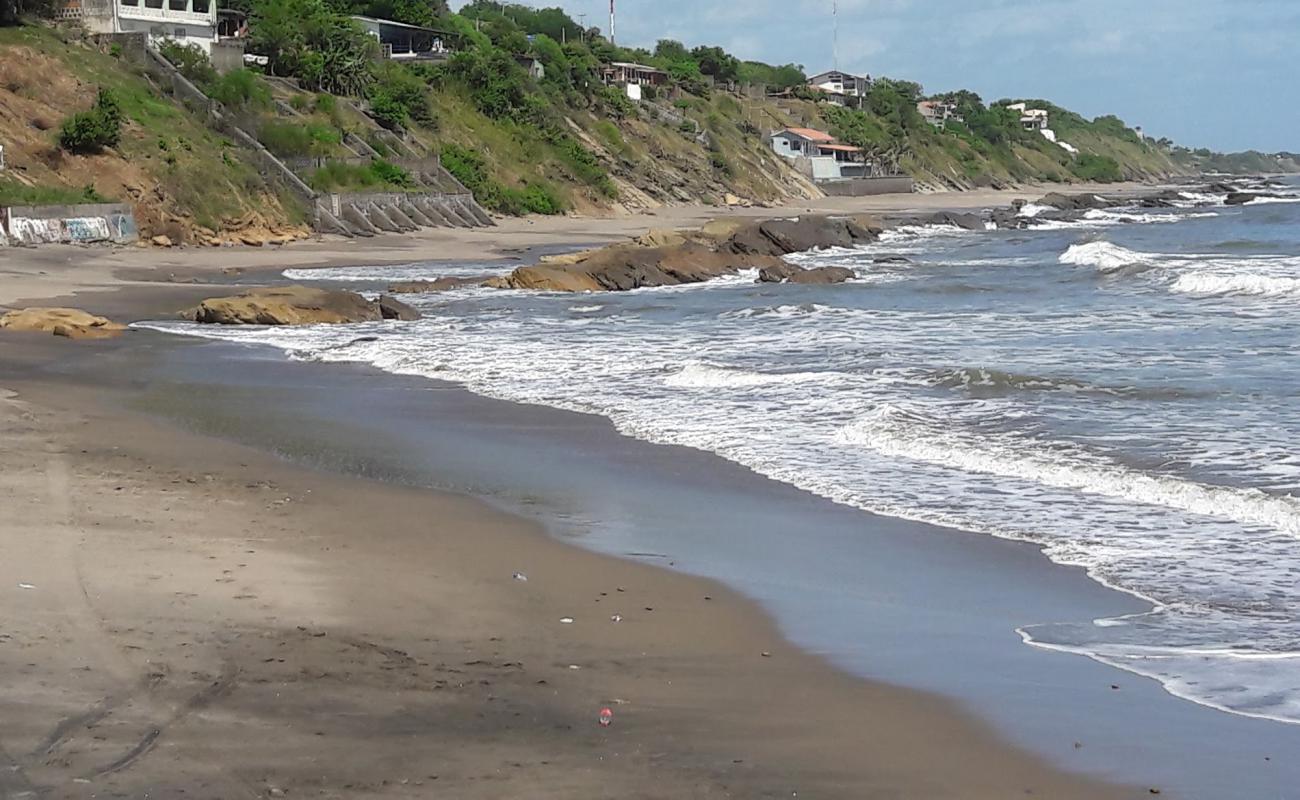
(187,614)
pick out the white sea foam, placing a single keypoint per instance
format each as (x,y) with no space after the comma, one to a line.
(697,375)
(1031,210)
(1105,256)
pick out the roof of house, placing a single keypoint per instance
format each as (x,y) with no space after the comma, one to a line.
(810,134)
(830,72)
(396,24)
(632,65)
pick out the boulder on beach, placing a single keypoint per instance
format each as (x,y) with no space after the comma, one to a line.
(789,273)
(72,323)
(288,305)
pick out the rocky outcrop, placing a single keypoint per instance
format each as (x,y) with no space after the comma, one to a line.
(624,267)
(789,273)
(967,222)
(665,258)
(392,308)
(1075,202)
(290,305)
(780,237)
(72,323)
(1241,198)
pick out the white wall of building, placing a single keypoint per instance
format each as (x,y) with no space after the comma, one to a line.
(177,20)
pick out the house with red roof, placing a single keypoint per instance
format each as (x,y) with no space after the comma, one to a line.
(818,154)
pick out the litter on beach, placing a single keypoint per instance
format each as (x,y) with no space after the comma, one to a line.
(519,576)
(566,620)
(606,718)
(26,586)
(616,618)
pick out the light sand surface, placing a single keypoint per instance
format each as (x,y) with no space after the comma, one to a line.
(191,618)
(61,270)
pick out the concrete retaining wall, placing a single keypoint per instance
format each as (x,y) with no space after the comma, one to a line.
(82,224)
(861,187)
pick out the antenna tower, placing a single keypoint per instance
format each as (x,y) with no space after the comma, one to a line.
(835,34)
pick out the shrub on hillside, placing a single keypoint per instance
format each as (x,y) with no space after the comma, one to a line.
(398,95)
(470,169)
(340,176)
(93,130)
(287,139)
(240,88)
(192,62)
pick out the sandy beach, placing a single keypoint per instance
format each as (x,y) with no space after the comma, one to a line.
(188,616)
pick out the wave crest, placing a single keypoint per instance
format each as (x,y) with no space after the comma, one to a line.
(897,432)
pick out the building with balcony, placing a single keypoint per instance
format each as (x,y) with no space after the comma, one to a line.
(402,41)
(1031,119)
(183,21)
(840,86)
(938,112)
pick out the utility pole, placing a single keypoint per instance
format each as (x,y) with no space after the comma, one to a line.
(582,27)
(611,22)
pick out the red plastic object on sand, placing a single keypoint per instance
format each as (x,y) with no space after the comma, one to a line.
(606,718)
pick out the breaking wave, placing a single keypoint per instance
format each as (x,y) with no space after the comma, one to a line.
(896,432)
(1213,284)
(1105,256)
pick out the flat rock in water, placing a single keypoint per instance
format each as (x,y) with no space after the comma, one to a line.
(435,285)
(287,305)
(72,323)
(1242,198)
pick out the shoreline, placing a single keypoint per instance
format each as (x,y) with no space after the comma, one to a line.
(835,735)
(46,272)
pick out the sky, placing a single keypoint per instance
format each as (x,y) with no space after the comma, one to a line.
(1223,74)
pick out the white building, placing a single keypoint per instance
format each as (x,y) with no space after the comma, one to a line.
(1031,119)
(184,21)
(844,84)
(818,155)
(938,112)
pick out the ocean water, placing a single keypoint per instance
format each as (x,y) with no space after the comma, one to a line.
(1123,390)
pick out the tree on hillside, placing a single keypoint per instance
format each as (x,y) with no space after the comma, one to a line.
(717,62)
(307,39)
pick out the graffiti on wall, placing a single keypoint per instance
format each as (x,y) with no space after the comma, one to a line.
(112,225)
